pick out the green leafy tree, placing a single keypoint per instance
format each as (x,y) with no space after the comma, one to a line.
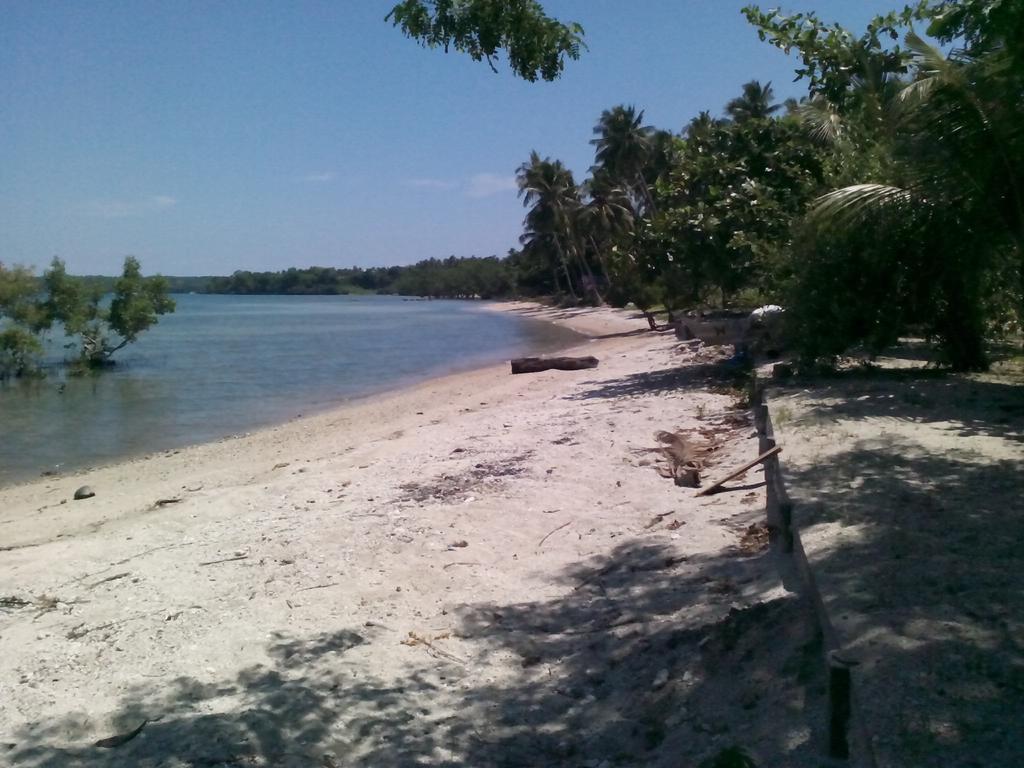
(20,322)
(728,205)
(536,44)
(936,157)
(100,332)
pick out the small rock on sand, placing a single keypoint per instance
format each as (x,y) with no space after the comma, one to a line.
(85,492)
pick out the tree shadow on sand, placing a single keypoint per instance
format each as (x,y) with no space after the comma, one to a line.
(925,582)
(644,658)
(968,406)
(712,375)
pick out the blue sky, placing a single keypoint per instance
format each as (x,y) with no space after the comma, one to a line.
(205,137)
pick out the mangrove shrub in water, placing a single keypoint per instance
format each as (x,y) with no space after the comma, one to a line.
(30,307)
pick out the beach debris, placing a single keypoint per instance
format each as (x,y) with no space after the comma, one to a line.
(458,544)
(165,502)
(459,562)
(538,364)
(319,586)
(755,538)
(225,560)
(717,485)
(686,457)
(115,577)
(550,533)
(44,603)
(413,639)
(457,487)
(122,738)
(658,518)
(85,492)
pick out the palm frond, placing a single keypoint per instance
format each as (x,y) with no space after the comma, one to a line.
(821,120)
(932,62)
(852,205)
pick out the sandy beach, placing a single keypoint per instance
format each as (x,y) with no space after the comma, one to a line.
(483,569)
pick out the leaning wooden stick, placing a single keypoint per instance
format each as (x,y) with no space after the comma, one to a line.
(719,483)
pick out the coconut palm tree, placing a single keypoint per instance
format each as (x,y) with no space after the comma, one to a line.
(623,147)
(605,219)
(754,104)
(701,126)
(550,192)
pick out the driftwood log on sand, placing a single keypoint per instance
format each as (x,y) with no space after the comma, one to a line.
(538,364)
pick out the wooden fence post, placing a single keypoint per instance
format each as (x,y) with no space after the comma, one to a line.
(840,706)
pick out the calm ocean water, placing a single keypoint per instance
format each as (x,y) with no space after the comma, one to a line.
(225,364)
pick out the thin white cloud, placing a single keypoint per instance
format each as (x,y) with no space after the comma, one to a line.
(477,186)
(431,183)
(121,209)
(487,184)
(319,178)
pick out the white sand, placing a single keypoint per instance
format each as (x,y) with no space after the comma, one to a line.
(501,519)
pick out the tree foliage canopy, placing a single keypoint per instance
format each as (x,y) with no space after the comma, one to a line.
(536,44)
(889,199)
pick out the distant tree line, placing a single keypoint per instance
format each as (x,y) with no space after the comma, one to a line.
(451,278)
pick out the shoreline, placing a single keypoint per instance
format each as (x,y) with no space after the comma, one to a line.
(399,385)
(479,566)
(589,324)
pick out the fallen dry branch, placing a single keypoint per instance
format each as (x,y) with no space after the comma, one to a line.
(460,562)
(413,640)
(122,738)
(143,553)
(81,630)
(225,560)
(715,486)
(538,364)
(165,502)
(550,533)
(318,586)
(115,577)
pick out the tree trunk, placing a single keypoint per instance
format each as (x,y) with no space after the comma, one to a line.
(538,364)
(645,192)
(565,268)
(601,262)
(961,327)
(589,276)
